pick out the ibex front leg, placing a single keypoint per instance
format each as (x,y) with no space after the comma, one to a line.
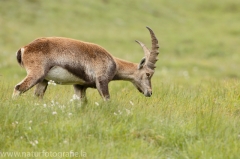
(102,87)
(80,91)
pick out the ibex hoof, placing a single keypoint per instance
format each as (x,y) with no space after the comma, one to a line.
(15,94)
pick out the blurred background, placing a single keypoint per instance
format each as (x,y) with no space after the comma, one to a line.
(199,40)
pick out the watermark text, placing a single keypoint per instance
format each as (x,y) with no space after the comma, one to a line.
(44,153)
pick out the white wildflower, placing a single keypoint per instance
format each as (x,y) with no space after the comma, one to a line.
(69,114)
(54,113)
(52,102)
(44,105)
(131,103)
(51,82)
(75,97)
(15,123)
(97,103)
(128,111)
(118,112)
(32,143)
(30,121)
(36,142)
(62,107)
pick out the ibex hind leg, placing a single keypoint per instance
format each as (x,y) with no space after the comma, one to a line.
(28,82)
(102,87)
(41,88)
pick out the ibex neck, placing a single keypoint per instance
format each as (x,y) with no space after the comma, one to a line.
(125,70)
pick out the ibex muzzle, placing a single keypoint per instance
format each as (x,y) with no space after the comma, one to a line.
(83,65)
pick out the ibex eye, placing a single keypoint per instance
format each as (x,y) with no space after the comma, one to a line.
(148,74)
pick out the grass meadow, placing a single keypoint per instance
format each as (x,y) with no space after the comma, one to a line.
(194,112)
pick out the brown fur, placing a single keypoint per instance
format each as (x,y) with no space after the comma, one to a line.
(87,62)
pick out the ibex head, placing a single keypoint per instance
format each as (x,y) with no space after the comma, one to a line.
(146,67)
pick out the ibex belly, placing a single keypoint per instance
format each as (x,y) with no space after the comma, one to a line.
(62,76)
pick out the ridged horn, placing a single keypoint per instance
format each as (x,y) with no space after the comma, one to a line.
(154,51)
(151,56)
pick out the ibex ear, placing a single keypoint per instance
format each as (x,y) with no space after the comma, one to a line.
(142,62)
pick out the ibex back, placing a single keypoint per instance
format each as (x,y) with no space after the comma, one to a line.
(83,65)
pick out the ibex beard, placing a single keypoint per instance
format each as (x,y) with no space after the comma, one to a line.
(83,65)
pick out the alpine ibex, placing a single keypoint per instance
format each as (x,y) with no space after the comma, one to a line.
(83,65)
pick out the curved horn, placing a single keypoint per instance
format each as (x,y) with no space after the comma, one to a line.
(154,51)
(145,49)
(151,56)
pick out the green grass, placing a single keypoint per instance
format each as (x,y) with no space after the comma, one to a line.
(195,108)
